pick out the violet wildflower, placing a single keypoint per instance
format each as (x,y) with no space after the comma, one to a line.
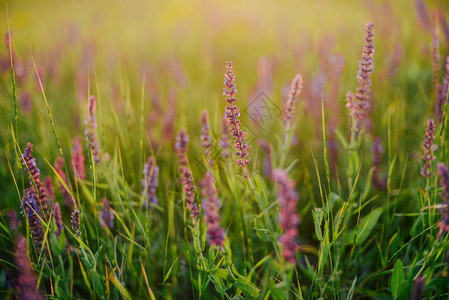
(91,130)
(442,93)
(27,281)
(13,222)
(418,288)
(224,139)
(58,166)
(32,211)
(232,113)
(377,151)
(106,215)
(359,104)
(288,217)
(181,144)
(78,159)
(49,187)
(211,206)
(20,69)
(58,219)
(39,79)
(428,147)
(443,172)
(75,221)
(422,14)
(290,104)
(25,102)
(444,25)
(150,182)
(435,50)
(267,165)
(29,164)
(205,137)
(189,191)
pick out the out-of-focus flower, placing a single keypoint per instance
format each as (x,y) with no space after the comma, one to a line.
(91,130)
(428,147)
(181,144)
(288,217)
(211,206)
(150,182)
(27,281)
(443,172)
(267,165)
(377,151)
(58,219)
(205,137)
(290,104)
(106,215)
(224,139)
(59,165)
(78,159)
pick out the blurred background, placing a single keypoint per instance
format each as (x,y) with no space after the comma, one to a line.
(152,58)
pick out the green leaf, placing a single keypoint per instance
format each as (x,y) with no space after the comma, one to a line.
(397,278)
(365,227)
(351,290)
(317,214)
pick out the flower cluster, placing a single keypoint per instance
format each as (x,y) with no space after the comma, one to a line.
(443,172)
(13,222)
(59,165)
(232,113)
(288,217)
(224,139)
(267,165)
(58,219)
(29,164)
(205,137)
(91,130)
(428,147)
(442,93)
(49,187)
(211,206)
(358,103)
(27,281)
(78,159)
(150,182)
(75,221)
(377,151)
(32,211)
(181,144)
(106,215)
(182,141)
(290,104)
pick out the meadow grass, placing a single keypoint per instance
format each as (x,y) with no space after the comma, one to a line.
(203,150)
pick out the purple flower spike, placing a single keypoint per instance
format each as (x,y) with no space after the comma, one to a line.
(150,182)
(91,130)
(232,114)
(428,147)
(107,215)
(78,159)
(443,172)
(181,145)
(288,217)
(29,164)
(211,206)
